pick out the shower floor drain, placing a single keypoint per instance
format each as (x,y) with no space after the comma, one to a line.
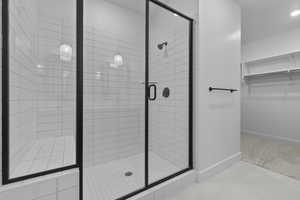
(128,174)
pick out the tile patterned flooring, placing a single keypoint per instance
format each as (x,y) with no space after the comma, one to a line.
(280,157)
(243,181)
(45,154)
(269,170)
(108,181)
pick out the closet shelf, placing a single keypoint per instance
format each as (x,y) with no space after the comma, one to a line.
(287,63)
(285,71)
(272,57)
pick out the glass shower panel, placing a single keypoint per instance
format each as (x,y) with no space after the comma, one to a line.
(169,111)
(42,85)
(114,98)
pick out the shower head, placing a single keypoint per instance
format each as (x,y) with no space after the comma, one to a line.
(162,45)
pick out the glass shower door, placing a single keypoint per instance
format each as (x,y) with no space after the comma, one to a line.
(114,98)
(137,103)
(169,102)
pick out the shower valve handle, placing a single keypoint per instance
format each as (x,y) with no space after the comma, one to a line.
(149,92)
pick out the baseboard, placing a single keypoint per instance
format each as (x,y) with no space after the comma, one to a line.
(218,167)
(275,138)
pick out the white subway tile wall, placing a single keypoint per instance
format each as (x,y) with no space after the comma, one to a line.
(56,112)
(23,77)
(169,117)
(42,89)
(59,187)
(114,101)
(113,97)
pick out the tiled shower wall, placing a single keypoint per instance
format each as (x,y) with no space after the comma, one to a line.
(23,77)
(62,186)
(42,87)
(56,97)
(113,97)
(169,122)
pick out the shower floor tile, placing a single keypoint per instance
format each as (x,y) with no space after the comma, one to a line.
(108,181)
(46,154)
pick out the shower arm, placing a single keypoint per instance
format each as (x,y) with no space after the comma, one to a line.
(161,45)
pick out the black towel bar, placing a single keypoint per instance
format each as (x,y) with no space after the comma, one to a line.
(222,89)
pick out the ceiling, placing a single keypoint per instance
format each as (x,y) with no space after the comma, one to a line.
(136,5)
(263,18)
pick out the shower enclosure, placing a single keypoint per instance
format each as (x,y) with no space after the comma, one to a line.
(108,92)
(137,97)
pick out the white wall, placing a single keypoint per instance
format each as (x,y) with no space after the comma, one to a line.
(270,106)
(277,44)
(218,113)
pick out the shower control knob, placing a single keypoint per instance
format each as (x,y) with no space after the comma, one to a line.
(166,92)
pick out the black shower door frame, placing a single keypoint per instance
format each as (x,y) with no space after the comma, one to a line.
(147,94)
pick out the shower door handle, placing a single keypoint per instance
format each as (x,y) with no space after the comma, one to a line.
(149,92)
